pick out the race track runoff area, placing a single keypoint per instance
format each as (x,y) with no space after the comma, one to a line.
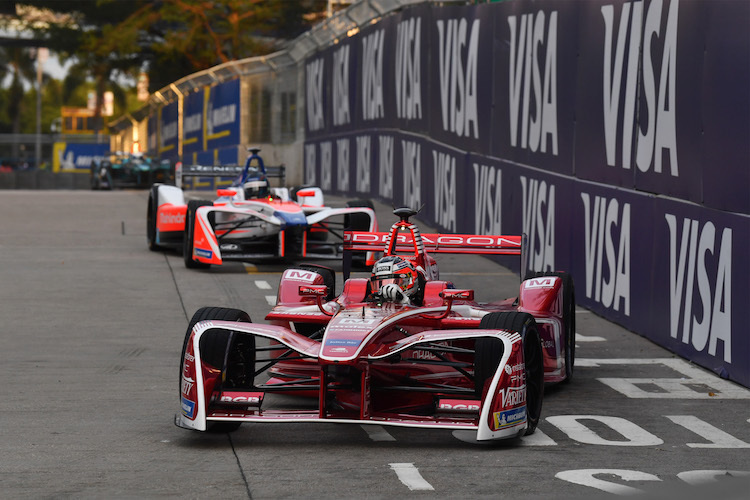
(92,327)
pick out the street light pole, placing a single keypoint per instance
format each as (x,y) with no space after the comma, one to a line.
(41,56)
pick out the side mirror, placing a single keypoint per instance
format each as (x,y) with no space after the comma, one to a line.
(451,294)
(313,290)
(319,292)
(226,192)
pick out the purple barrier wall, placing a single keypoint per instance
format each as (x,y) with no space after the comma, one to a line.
(614,134)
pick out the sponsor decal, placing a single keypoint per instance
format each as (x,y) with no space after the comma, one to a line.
(363,164)
(188,408)
(633,62)
(539,223)
(326,165)
(508,369)
(458,44)
(344,342)
(207,254)
(513,396)
(385,161)
(310,164)
(458,405)
(372,75)
(187,385)
(343,350)
(342,150)
(537,117)
(171,218)
(408,69)
(314,94)
(700,285)
(487,199)
(412,173)
(509,418)
(607,235)
(341,114)
(299,275)
(241,397)
(539,283)
(444,169)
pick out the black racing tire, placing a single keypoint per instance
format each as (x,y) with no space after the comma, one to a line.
(489,351)
(110,181)
(329,277)
(358,222)
(153,208)
(94,178)
(234,354)
(187,240)
(569,318)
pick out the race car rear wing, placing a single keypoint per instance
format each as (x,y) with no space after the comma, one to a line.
(475,244)
(229,171)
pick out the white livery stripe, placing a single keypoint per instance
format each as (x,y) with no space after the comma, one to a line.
(410,476)
(377,433)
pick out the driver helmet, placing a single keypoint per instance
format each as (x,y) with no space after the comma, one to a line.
(255,189)
(395,270)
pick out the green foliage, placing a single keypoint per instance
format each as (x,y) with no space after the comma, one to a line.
(169,39)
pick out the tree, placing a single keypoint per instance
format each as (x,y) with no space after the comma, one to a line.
(20,64)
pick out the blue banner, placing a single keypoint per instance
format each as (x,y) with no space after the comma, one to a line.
(222,120)
(192,124)
(168,116)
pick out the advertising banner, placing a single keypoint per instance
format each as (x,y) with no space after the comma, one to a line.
(725,106)
(168,116)
(317,92)
(700,278)
(340,79)
(222,125)
(373,88)
(406,80)
(192,123)
(460,91)
(69,157)
(534,83)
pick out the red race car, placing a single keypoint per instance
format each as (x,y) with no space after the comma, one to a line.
(402,348)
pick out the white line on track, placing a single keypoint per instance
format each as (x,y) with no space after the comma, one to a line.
(410,476)
(263,284)
(271,299)
(589,338)
(377,433)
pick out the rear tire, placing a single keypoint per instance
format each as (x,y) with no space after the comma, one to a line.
(489,352)
(216,347)
(569,318)
(187,241)
(358,222)
(153,208)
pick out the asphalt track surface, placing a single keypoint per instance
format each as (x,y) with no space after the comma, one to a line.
(92,325)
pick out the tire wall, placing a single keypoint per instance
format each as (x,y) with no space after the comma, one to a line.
(614,134)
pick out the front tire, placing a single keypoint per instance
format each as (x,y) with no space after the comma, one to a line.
(489,352)
(216,347)
(188,239)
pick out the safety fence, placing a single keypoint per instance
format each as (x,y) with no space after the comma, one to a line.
(614,134)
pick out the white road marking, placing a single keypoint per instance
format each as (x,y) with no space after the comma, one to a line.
(718,438)
(589,338)
(669,388)
(377,433)
(262,284)
(698,477)
(538,439)
(634,435)
(271,299)
(410,476)
(585,477)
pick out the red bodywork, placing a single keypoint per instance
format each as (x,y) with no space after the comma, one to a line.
(371,362)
